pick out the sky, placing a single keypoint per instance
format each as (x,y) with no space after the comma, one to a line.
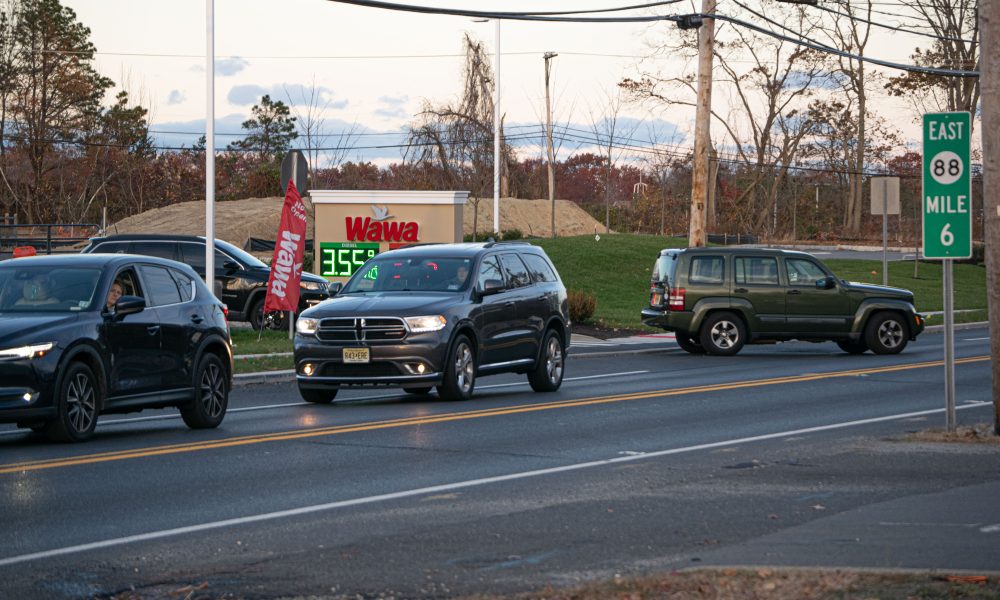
(375,68)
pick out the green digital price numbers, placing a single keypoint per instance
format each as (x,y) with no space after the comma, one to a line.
(342,259)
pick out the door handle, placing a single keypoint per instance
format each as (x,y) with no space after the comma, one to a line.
(796,292)
(740,290)
(196,319)
(153,329)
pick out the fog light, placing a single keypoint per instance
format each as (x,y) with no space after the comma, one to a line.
(308,369)
(27,397)
(421,368)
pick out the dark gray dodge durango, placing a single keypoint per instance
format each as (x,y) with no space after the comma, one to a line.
(438,315)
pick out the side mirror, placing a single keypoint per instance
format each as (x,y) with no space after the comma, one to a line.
(129,305)
(826,283)
(491,286)
(231,265)
(335,288)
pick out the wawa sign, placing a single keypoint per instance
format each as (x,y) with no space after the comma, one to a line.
(380,228)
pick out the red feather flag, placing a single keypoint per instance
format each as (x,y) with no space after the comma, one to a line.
(289,247)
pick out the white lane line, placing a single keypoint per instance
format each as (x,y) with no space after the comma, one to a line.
(447,487)
(287,404)
(975,339)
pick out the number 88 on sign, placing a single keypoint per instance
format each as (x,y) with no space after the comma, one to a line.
(947,186)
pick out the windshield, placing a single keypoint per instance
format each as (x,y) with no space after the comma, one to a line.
(246,258)
(411,274)
(49,289)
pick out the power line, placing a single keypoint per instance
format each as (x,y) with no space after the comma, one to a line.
(900,29)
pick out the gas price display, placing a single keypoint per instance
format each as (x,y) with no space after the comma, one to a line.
(342,259)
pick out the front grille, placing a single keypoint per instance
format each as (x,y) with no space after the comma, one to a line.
(380,369)
(361,329)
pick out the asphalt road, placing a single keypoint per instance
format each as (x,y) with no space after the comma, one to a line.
(787,454)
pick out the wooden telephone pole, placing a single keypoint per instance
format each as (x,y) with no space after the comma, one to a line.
(989,84)
(548,135)
(702,129)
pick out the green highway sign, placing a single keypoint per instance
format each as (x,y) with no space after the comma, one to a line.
(947,186)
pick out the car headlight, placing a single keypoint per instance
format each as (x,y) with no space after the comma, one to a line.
(306,326)
(313,285)
(32,351)
(425,324)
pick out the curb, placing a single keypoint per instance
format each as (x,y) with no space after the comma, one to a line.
(958,327)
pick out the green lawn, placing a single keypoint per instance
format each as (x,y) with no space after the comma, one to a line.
(616,270)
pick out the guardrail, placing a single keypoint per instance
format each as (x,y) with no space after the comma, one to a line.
(46,238)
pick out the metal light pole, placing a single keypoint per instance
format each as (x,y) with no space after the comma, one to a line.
(548,136)
(210,146)
(496,137)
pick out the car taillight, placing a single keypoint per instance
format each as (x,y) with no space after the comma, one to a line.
(656,296)
(676,301)
(225,311)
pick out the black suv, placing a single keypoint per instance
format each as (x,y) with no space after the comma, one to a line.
(240,279)
(438,315)
(85,335)
(718,299)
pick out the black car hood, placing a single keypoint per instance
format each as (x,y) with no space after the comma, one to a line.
(29,328)
(314,278)
(390,304)
(881,290)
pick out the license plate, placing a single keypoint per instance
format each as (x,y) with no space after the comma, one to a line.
(356,355)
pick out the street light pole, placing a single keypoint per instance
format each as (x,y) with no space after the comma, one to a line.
(496,137)
(548,134)
(210,146)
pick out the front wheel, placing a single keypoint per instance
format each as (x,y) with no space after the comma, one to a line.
(689,345)
(723,334)
(274,320)
(211,395)
(318,396)
(77,402)
(460,371)
(886,333)
(547,375)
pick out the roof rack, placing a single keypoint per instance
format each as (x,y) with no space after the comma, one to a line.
(491,242)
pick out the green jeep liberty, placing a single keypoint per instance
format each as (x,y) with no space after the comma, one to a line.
(718,299)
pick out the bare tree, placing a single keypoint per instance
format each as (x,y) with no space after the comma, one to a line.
(609,133)
(458,137)
(310,110)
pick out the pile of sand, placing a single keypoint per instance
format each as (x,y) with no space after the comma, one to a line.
(238,220)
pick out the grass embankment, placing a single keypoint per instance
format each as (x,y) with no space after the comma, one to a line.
(616,268)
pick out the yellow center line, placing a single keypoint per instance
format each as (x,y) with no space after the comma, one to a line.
(299,434)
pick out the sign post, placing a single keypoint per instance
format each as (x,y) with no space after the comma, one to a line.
(885,199)
(947,222)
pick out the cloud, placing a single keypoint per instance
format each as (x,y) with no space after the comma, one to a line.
(175,97)
(227,67)
(246,95)
(391,113)
(394,100)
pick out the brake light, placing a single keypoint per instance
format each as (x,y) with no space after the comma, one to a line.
(225,311)
(676,301)
(656,296)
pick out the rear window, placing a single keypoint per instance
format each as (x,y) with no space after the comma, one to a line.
(707,270)
(664,267)
(540,269)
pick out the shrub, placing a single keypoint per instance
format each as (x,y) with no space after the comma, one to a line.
(511,234)
(581,305)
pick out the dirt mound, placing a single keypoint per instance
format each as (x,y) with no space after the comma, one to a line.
(238,220)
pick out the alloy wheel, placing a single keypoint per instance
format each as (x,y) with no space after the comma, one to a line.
(81,408)
(890,333)
(725,334)
(213,390)
(464,368)
(554,360)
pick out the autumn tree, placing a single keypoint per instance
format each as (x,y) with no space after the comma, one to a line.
(270,131)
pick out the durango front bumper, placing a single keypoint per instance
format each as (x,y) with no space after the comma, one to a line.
(416,363)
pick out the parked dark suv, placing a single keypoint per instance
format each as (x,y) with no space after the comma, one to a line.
(718,299)
(438,315)
(85,335)
(240,279)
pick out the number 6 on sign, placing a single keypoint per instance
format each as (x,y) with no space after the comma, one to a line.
(947,237)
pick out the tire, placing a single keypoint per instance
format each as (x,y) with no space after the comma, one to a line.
(689,345)
(420,391)
(211,395)
(547,375)
(852,347)
(723,334)
(318,396)
(460,371)
(77,402)
(886,333)
(273,320)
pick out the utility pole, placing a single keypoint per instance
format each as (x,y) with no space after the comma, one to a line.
(702,130)
(989,82)
(548,136)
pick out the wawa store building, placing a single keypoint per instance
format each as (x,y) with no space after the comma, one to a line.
(355,225)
